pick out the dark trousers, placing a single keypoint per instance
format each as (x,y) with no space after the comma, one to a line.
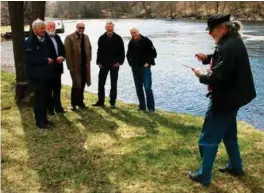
(142,78)
(41,98)
(55,94)
(101,85)
(77,93)
(217,128)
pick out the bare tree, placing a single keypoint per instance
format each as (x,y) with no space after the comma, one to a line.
(37,11)
(224,6)
(16,13)
(217,6)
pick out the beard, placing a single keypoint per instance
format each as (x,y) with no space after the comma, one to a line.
(51,33)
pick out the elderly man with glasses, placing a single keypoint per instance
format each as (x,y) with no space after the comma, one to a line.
(78,57)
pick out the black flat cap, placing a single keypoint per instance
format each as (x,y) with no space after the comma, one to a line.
(217,19)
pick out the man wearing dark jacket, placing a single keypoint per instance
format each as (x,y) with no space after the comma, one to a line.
(230,86)
(57,52)
(40,71)
(140,57)
(110,55)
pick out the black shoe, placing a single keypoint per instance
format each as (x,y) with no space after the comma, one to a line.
(98,104)
(42,125)
(82,106)
(151,111)
(74,108)
(141,109)
(51,113)
(231,171)
(194,177)
(112,106)
(60,111)
(49,123)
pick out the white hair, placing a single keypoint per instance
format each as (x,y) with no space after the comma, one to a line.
(79,22)
(234,27)
(49,21)
(109,22)
(37,23)
(134,29)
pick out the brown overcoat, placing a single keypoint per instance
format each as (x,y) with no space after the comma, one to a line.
(73,58)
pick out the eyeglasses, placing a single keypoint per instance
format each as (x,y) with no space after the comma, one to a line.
(81,28)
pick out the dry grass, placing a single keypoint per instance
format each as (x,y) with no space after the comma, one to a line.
(122,150)
(5,29)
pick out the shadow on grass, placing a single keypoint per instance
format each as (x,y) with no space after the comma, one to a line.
(60,158)
(96,123)
(151,122)
(129,118)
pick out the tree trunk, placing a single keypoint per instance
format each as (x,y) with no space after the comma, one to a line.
(37,11)
(217,5)
(16,13)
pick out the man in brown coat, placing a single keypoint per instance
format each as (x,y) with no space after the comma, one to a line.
(78,57)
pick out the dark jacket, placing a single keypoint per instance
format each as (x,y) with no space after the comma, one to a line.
(140,52)
(61,52)
(110,50)
(37,54)
(231,78)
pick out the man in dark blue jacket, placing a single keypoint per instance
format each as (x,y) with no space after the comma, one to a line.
(57,52)
(40,71)
(110,55)
(230,86)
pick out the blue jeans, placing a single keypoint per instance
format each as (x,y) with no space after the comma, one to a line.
(217,128)
(142,77)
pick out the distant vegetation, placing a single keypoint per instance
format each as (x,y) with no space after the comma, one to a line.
(252,11)
(143,9)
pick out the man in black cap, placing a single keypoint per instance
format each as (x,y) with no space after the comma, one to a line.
(230,85)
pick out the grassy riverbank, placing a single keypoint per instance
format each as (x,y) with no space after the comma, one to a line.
(121,150)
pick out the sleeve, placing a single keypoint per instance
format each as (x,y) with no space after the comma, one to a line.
(68,47)
(99,52)
(62,48)
(121,53)
(221,70)
(128,55)
(208,60)
(90,49)
(149,57)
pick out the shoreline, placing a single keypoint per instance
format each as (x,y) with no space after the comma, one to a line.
(160,18)
(8,70)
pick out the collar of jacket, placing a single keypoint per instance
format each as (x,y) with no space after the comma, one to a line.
(114,34)
(36,38)
(223,38)
(48,36)
(142,37)
(77,36)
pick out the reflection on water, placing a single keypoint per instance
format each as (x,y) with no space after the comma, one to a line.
(175,87)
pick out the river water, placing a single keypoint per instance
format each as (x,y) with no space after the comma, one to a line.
(175,87)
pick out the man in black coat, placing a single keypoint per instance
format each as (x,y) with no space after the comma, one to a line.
(40,71)
(230,86)
(110,55)
(140,56)
(57,52)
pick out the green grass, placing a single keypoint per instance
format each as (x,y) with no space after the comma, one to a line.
(121,150)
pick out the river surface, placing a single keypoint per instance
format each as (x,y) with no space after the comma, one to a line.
(175,87)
